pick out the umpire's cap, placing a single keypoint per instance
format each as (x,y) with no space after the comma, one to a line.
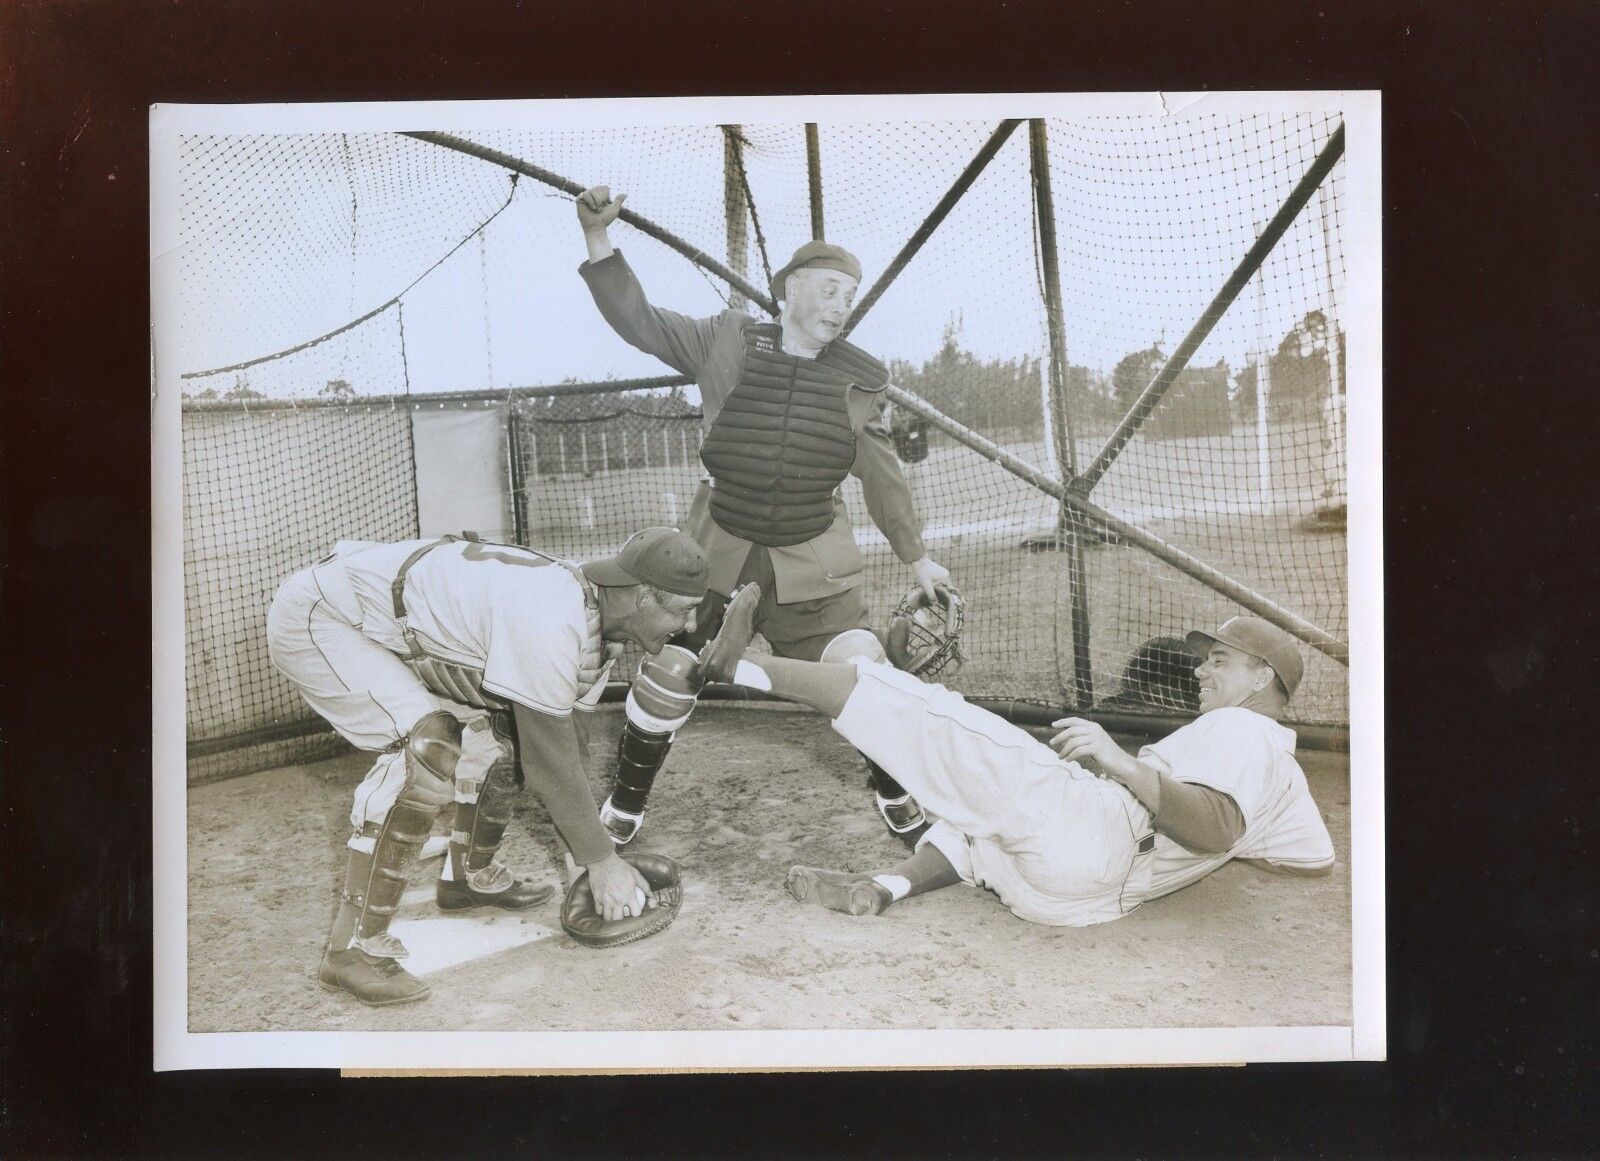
(1259,639)
(661,557)
(816,256)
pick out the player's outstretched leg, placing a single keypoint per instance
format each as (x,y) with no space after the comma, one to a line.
(475,878)
(899,810)
(859,893)
(663,696)
(363,958)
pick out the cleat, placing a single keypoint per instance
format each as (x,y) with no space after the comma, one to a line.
(454,895)
(851,894)
(620,824)
(375,981)
(721,656)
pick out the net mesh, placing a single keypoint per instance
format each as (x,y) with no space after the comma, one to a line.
(301,428)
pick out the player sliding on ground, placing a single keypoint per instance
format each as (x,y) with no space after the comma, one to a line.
(1080,831)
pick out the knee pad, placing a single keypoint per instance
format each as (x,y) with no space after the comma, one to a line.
(665,691)
(853,643)
(432,748)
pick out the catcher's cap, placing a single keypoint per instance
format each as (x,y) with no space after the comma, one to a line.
(1259,639)
(817,256)
(662,557)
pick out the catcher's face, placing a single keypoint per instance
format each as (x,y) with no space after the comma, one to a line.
(658,617)
(1229,676)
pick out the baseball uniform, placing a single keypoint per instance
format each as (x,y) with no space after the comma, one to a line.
(497,623)
(1058,844)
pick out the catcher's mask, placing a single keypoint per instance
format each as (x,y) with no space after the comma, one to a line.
(924,636)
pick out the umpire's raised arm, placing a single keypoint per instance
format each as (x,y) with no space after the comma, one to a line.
(678,340)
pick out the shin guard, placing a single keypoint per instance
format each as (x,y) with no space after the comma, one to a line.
(661,700)
(481,816)
(431,751)
(899,809)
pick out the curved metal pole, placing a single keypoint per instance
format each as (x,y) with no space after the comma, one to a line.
(1316,637)
(931,223)
(643,225)
(1257,254)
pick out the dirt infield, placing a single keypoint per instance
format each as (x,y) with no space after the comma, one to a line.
(746,794)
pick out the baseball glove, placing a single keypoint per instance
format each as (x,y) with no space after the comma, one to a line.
(924,636)
(580,920)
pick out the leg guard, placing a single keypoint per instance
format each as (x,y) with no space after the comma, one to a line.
(375,882)
(375,979)
(900,811)
(660,702)
(483,808)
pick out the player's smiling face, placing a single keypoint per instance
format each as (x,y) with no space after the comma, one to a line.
(658,617)
(1229,676)
(817,305)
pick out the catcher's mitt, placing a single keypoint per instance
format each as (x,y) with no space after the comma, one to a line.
(580,920)
(924,636)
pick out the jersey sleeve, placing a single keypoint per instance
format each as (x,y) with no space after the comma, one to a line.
(883,484)
(1225,750)
(535,646)
(681,342)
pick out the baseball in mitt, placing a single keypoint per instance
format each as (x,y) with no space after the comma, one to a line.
(580,920)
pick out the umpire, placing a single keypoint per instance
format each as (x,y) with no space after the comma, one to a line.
(790,409)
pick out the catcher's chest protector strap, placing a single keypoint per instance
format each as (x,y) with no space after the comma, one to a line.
(464,683)
(783,440)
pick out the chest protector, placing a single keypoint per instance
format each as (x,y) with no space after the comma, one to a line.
(783,440)
(464,683)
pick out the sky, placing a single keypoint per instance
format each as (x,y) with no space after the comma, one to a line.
(285,237)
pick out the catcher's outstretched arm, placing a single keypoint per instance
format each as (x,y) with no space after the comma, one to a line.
(552,766)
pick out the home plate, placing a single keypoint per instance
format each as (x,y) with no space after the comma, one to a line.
(444,941)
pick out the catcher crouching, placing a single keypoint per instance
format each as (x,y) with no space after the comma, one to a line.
(468,668)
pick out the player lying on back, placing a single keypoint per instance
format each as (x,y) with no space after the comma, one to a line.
(1085,832)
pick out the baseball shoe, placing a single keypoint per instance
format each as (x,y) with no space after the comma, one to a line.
(721,655)
(454,895)
(621,825)
(374,981)
(853,894)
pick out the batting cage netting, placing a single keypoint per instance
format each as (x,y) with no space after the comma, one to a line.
(1118,373)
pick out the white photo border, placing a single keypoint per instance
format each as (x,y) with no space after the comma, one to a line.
(749,1050)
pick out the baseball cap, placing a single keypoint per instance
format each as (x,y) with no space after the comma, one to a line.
(662,557)
(817,256)
(1259,639)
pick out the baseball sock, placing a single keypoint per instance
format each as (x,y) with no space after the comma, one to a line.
(824,686)
(899,886)
(927,870)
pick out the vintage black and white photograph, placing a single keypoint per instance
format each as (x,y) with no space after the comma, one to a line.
(775,582)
